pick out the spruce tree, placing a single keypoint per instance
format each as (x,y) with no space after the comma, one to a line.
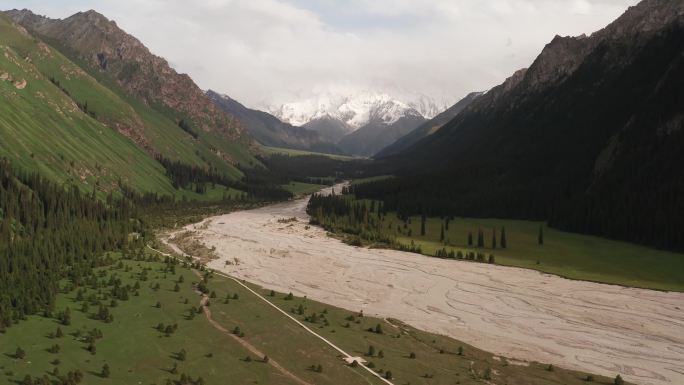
(540,238)
(422,225)
(503,238)
(480,238)
(493,238)
(441,234)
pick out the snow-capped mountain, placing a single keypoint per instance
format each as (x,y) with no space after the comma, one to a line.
(358,109)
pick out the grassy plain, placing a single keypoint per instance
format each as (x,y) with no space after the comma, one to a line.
(292,152)
(138,353)
(566,254)
(300,188)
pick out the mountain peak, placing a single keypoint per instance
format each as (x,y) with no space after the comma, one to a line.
(356,109)
(108,48)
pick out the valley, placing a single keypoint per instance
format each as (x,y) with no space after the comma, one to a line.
(372,193)
(516,313)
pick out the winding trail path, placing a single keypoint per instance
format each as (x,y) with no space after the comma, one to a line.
(252,348)
(517,313)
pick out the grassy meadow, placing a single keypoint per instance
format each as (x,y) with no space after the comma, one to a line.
(300,188)
(139,351)
(292,152)
(571,255)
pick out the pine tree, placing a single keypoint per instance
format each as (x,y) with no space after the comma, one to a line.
(493,238)
(441,234)
(470,238)
(540,238)
(480,238)
(503,238)
(422,225)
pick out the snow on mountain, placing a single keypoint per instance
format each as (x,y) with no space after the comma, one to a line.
(358,109)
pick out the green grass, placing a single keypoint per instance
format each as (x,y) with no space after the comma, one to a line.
(436,355)
(288,151)
(566,254)
(44,131)
(299,188)
(137,352)
(160,127)
(571,255)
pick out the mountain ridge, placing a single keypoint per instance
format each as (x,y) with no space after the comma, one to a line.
(429,127)
(271,131)
(536,146)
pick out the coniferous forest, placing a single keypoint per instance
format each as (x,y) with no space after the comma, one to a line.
(48,233)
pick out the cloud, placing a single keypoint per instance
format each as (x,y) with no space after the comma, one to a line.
(271,51)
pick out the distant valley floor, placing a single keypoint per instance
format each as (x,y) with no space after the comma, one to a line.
(514,312)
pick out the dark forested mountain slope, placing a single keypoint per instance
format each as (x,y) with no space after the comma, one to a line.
(590,137)
(269,130)
(429,127)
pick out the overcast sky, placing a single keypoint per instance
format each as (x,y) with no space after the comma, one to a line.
(274,51)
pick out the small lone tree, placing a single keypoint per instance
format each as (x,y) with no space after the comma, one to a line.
(265,359)
(388,375)
(470,238)
(503,242)
(371,351)
(422,225)
(19,354)
(105,371)
(493,238)
(540,238)
(480,238)
(378,329)
(488,374)
(441,234)
(59,333)
(618,380)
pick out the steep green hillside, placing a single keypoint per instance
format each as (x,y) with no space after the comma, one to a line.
(75,124)
(43,129)
(175,119)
